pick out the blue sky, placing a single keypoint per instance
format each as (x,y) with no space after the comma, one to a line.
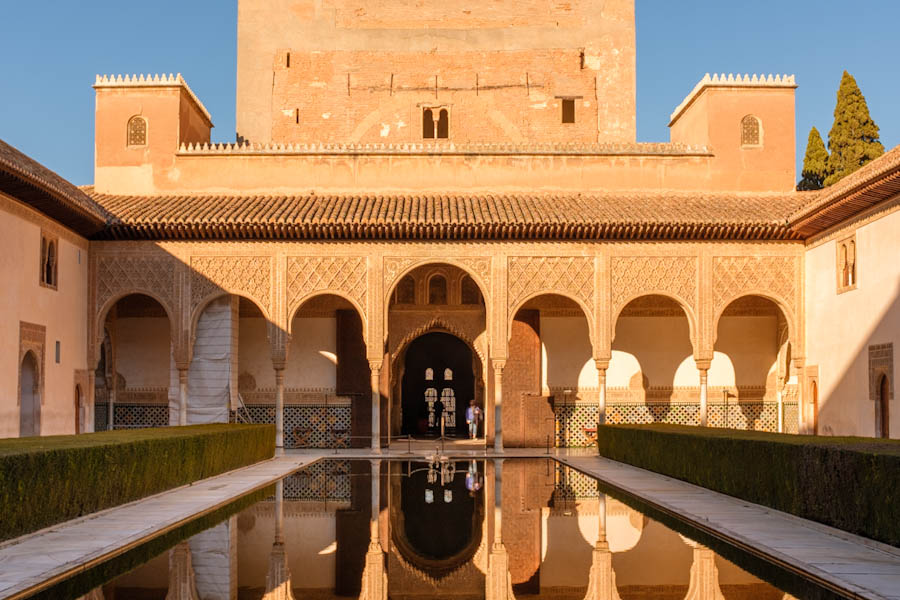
(53,48)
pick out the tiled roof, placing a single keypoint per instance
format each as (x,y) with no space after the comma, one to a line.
(636,215)
(875,182)
(31,182)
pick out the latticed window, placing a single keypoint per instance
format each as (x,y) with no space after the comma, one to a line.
(470,294)
(437,290)
(137,131)
(406,291)
(750,131)
(846,264)
(49,261)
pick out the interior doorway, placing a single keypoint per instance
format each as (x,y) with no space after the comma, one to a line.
(438,382)
(29,397)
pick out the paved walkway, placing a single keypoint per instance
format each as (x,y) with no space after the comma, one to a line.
(847,562)
(34,562)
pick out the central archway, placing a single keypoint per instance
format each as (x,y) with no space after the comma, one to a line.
(438,368)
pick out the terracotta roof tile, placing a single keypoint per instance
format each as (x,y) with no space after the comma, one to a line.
(873,183)
(29,181)
(636,215)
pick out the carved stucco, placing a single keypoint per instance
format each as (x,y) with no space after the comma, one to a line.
(479,267)
(571,276)
(634,276)
(307,275)
(248,276)
(122,274)
(776,277)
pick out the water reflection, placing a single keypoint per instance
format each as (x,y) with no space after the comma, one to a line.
(440,529)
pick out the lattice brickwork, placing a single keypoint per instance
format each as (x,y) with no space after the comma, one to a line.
(324,481)
(791,418)
(568,275)
(308,426)
(574,485)
(307,275)
(131,416)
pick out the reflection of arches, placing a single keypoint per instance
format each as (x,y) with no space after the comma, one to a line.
(436,537)
(882,409)
(29,396)
(441,352)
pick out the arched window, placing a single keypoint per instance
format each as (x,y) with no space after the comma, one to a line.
(469,293)
(443,126)
(406,291)
(137,131)
(448,374)
(882,415)
(50,265)
(845,266)
(437,290)
(431,397)
(448,398)
(429,374)
(851,259)
(751,131)
(427,124)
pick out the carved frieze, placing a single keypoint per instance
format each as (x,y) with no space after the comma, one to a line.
(309,274)
(248,276)
(635,275)
(734,276)
(571,276)
(124,274)
(479,266)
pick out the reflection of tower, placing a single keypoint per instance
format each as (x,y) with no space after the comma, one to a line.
(374,583)
(181,574)
(278,581)
(602,580)
(704,574)
(498,582)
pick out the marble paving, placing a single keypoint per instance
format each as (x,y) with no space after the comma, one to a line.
(853,564)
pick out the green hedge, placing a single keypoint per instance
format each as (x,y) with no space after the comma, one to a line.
(47,480)
(849,483)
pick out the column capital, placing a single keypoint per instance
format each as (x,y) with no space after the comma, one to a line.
(279,374)
(602,364)
(703,364)
(798,362)
(376,365)
(182,374)
(499,364)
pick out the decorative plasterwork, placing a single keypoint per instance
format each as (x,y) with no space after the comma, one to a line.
(249,276)
(477,266)
(571,276)
(634,276)
(307,275)
(735,276)
(122,274)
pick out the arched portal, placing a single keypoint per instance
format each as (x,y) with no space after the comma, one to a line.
(751,383)
(438,382)
(883,408)
(136,369)
(29,397)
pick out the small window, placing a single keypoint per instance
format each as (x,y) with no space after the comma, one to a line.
(846,264)
(437,290)
(568,110)
(429,374)
(448,374)
(470,294)
(137,131)
(49,261)
(406,291)
(443,125)
(751,131)
(57,352)
(428,124)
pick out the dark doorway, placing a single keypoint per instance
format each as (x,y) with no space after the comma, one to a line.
(437,370)
(884,397)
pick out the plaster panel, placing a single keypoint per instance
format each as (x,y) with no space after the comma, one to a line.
(312,356)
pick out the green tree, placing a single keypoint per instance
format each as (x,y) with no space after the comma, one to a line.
(815,163)
(853,140)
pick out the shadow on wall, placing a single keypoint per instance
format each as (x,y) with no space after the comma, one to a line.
(857,389)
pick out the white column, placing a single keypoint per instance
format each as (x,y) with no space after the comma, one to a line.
(279,408)
(498,405)
(375,368)
(704,397)
(601,389)
(498,504)
(110,412)
(374,540)
(182,396)
(779,396)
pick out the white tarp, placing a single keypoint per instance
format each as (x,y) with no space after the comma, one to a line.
(214,555)
(210,371)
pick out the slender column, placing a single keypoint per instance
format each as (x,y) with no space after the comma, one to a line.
(601,512)
(278,579)
(602,365)
(279,408)
(374,540)
(375,368)
(498,504)
(498,585)
(374,583)
(779,397)
(182,396)
(704,393)
(110,411)
(498,405)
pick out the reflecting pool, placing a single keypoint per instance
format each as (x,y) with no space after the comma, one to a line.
(440,528)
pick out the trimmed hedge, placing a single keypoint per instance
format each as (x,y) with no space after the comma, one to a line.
(47,480)
(849,483)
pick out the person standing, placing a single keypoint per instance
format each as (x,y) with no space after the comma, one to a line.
(473,416)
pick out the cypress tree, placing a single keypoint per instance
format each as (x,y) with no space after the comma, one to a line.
(853,140)
(815,163)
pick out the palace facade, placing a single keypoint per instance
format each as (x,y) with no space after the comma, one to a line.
(430,204)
